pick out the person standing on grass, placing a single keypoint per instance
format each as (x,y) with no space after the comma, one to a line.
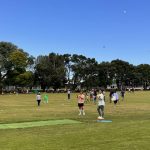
(81,100)
(101,105)
(122,94)
(38,98)
(116,96)
(68,92)
(46,98)
(94,96)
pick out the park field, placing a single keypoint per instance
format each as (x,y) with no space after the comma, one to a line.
(129,129)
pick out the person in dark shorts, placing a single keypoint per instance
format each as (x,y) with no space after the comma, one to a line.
(116,97)
(81,99)
(38,98)
(68,92)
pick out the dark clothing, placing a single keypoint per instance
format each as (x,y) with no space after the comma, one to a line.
(122,93)
(80,105)
(68,96)
(39,101)
(110,95)
(115,102)
(95,93)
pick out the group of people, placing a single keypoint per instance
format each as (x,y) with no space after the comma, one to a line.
(114,96)
(39,98)
(101,103)
(96,96)
(100,98)
(92,95)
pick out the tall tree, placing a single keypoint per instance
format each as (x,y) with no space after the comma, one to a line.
(50,71)
(84,71)
(121,71)
(143,72)
(12,59)
(104,74)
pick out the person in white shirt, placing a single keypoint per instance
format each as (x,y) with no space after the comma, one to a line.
(101,105)
(69,92)
(38,98)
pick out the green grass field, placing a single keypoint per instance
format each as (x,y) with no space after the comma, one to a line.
(129,130)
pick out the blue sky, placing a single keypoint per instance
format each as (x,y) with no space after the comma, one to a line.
(100,29)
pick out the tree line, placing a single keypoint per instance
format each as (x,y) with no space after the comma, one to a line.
(20,69)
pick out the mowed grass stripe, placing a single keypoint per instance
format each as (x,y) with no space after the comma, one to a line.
(37,124)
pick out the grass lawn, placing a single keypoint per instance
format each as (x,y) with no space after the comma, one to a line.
(129,130)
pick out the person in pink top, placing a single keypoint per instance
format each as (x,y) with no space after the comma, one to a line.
(81,99)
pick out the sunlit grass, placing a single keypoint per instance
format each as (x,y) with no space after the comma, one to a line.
(129,129)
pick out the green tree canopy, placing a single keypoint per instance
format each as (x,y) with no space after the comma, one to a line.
(13,61)
(50,70)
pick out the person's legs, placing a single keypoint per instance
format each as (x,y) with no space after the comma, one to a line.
(122,97)
(79,105)
(68,96)
(79,111)
(98,109)
(38,102)
(115,102)
(102,110)
(83,110)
